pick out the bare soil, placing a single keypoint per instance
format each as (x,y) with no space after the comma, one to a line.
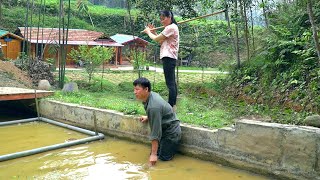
(11,76)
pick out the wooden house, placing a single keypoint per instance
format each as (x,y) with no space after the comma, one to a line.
(10,44)
(129,42)
(44,41)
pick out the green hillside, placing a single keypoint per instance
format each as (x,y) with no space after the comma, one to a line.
(194,35)
(109,21)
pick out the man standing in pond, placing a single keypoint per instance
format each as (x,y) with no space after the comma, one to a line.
(165,127)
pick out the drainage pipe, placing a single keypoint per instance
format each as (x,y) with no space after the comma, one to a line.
(18,121)
(49,148)
(52,147)
(91,133)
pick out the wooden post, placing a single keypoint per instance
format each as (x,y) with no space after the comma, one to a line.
(37,104)
(95,122)
(120,55)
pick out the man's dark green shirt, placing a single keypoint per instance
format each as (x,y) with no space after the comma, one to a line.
(159,113)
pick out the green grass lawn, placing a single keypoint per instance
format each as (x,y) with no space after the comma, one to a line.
(197,68)
(201,101)
(191,68)
(117,94)
(190,111)
(155,77)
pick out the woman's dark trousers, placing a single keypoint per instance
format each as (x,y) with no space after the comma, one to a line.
(169,65)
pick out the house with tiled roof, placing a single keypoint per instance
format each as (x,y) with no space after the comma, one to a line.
(10,44)
(43,39)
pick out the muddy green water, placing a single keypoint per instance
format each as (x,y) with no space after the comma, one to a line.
(106,159)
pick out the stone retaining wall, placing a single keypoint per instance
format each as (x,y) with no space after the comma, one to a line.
(281,151)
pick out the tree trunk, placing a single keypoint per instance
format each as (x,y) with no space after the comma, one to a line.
(42,46)
(265,13)
(230,30)
(66,42)
(252,34)
(31,15)
(0,10)
(243,13)
(25,44)
(133,34)
(60,55)
(237,33)
(38,30)
(314,28)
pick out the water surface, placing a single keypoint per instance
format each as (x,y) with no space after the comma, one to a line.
(106,159)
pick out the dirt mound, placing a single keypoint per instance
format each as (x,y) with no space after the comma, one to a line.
(11,76)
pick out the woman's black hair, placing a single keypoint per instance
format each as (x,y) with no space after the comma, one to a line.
(167,13)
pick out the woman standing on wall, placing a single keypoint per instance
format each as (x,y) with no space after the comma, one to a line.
(169,40)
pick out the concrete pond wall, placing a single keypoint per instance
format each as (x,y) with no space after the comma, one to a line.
(276,150)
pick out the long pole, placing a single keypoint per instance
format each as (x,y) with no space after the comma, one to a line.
(188,20)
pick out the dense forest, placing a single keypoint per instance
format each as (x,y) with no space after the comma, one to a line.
(270,48)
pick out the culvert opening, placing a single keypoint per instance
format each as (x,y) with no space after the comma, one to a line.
(17,109)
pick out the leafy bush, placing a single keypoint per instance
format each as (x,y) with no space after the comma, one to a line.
(93,57)
(97,85)
(160,88)
(126,86)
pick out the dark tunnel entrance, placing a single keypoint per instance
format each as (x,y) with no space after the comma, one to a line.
(17,109)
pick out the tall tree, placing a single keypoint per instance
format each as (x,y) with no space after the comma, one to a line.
(252,32)
(314,28)
(38,30)
(264,11)
(30,35)
(66,40)
(42,46)
(236,14)
(25,44)
(243,13)
(0,10)
(136,59)
(231,35)
(61,54)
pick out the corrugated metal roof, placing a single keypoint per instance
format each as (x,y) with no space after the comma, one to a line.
(125,38)
(3,32)
(75,36)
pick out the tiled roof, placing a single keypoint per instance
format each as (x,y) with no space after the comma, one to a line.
(75,36)
(89,43)
(53,34)
(125,38)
